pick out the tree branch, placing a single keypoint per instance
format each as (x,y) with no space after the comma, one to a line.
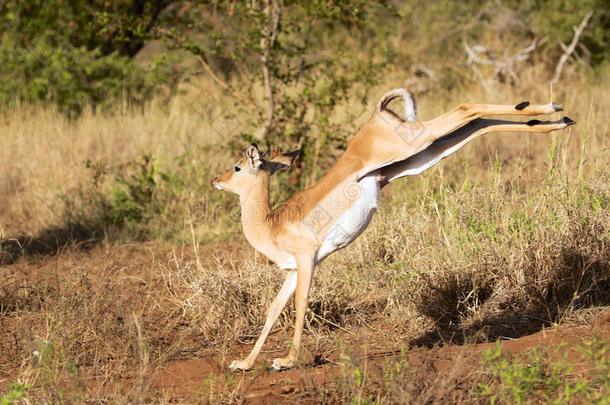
(504,67)
(272,12)
(570,49)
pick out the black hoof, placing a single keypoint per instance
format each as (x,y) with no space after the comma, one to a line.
(522,105)
(557,107)
(533,122)
(569,121)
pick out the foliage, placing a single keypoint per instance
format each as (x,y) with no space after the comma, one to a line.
(539,377)
(309,57)
(67,53)
(107,26)
(135,196)
(522,380)
(16,391)
(74,78)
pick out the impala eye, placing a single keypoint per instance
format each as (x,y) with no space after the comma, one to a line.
(236,168)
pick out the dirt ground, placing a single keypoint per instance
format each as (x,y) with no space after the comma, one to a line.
(182,379)
(179,369)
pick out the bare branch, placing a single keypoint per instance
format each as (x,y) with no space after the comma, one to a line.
(473,58)
(570,49)
(473,55)
(504,67)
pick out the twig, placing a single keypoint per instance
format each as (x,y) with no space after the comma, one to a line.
(570,49)
(425,70)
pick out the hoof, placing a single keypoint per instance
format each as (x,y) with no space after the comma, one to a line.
(557,107)
(568,121)
(238,365)
(281,364)
(274,369)
(522,105)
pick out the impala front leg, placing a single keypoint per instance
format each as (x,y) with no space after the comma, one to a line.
(275,309)
(304,275)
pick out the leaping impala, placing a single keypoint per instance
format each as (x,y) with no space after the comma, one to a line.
(330,215)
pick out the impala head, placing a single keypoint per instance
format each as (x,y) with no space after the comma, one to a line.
(252,169)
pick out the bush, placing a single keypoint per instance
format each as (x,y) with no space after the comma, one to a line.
(77,54)
(73,77)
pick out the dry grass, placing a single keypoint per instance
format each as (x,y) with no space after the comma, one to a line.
(507,237)
(43,163)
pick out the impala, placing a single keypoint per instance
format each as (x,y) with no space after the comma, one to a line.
(328,216)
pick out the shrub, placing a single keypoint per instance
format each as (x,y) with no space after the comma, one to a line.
(74,77)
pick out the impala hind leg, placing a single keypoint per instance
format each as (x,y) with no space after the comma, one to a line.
(466,112)
(275,309)
(305,274)
(452,142)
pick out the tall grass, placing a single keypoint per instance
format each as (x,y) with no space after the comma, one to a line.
(74,177)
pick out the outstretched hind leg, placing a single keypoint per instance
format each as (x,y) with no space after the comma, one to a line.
(466,112)
(452,142)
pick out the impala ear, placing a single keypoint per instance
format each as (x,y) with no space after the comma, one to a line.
(253,157)
(282,162)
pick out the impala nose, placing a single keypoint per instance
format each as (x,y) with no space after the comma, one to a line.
(215,183)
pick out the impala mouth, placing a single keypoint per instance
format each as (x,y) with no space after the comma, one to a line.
(216,183)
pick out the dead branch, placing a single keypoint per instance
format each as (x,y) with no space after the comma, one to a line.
(570,49)
(503,68)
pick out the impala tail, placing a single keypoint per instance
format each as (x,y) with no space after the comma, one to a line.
(410,105)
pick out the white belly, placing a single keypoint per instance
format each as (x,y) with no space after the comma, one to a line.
(355,220)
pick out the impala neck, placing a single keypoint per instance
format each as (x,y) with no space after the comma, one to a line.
(256,210)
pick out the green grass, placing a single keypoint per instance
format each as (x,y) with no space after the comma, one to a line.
(16,391)
(536,377)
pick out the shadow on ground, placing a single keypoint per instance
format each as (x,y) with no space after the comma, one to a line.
(577,280)
(49,242)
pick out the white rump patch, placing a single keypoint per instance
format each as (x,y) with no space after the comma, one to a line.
(353,221)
